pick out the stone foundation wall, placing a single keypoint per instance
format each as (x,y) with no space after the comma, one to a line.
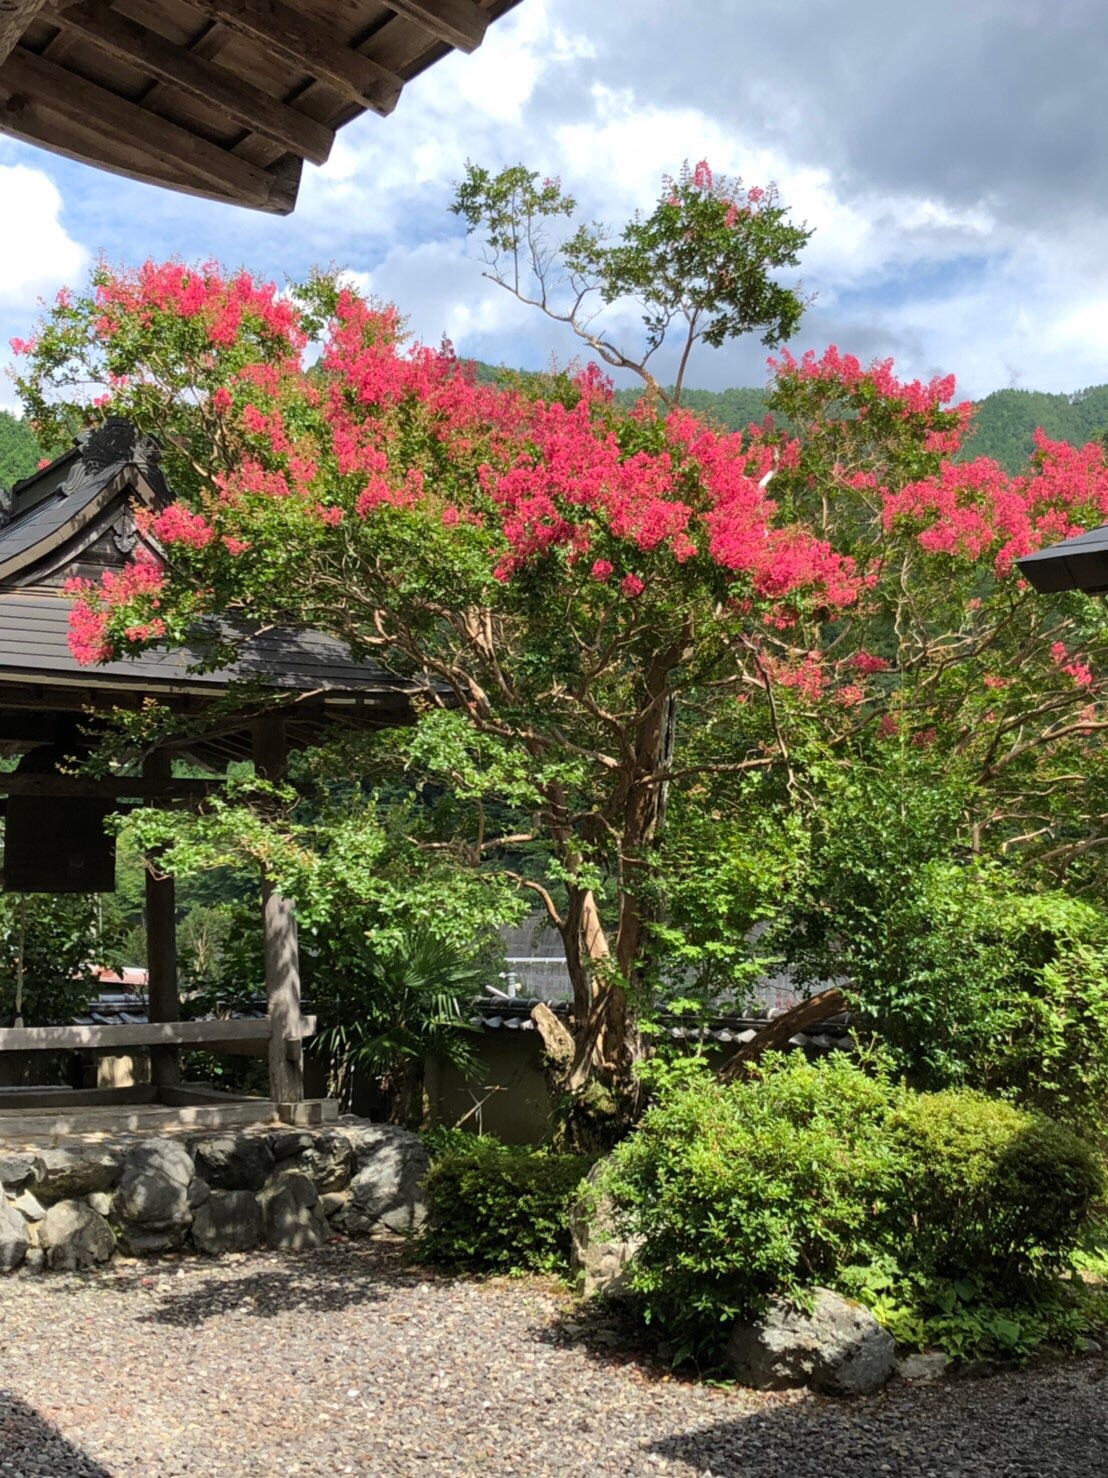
(281,1187)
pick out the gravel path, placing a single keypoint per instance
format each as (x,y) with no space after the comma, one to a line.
(351,1362)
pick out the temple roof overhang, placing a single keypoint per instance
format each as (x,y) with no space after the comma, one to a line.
(1080,563)
(220,98)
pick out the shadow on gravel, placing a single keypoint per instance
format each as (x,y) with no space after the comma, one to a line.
(1024,1425)
(609,1337)
(30,1444)
(308,1286)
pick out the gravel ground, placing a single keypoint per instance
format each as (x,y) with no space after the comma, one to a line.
(350,1361)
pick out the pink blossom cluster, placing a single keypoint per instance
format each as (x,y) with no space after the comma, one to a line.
(914,397)
(221,302)
(976,508)
(142,582)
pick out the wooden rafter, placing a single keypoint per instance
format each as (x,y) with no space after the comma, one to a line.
(220,98)
(15,17)
(460,23)
(181,69)
(309,45)
(36,86)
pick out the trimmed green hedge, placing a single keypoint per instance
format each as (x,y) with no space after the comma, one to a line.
(496,1208)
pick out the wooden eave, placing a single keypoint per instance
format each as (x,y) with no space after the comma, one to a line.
(219,98)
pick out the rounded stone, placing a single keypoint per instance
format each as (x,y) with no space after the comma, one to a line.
(838,1348)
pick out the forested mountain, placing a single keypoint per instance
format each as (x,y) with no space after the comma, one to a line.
(19,450)
(1004,426)
(1006,420)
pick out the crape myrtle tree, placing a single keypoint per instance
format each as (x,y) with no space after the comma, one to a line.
(569,572)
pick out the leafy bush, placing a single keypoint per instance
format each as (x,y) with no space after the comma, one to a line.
(824,1173)
(968,978)
(763,1186)
(970,1318)
(988,1189)
(496,1208)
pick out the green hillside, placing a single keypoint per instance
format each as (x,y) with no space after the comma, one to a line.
(20,452)
(1004,426)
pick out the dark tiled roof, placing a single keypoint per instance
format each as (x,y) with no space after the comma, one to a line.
(34,632)
(833,1035)
(1080,563)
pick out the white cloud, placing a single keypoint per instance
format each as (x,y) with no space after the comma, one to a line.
(37,254)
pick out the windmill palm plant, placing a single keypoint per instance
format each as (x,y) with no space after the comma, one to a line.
(387,1008)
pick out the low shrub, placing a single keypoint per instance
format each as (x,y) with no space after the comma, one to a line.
(989,1190)
(931,1207)
(495,1208)
(764,1186)
(971,1317)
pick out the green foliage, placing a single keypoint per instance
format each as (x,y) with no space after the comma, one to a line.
(993,1190)
(968,1318)
(20,452)
(967,976)
(497,1208)
(703,262)
(806,1174)
(387,1008)
(58,937)
(743,1191)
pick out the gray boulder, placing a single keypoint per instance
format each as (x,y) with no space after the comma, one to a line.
(29,1206)
(75,1237)
(35,1260)
(18,1171)
(387,1185)
(328,1161)
(14,1238)
(294,1219)
(67,1174)
(839,1348)
(600,1250)
(923,1365)
(285,1143)
(234,1162)
(137,1240)
(153,1190)
(228,1221)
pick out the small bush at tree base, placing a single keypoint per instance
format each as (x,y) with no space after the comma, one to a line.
(989,1189)
(496,1208)
(764,1186)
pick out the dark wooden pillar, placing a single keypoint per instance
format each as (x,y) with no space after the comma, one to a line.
(161,947)
(282,952)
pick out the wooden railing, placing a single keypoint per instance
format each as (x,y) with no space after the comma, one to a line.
(248,1036)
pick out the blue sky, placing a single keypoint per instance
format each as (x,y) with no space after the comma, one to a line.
(952,159)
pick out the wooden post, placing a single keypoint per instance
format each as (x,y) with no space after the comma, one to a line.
(282,953)
(161,948)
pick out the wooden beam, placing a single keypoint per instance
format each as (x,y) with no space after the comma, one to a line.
(143,1034)
(182,70)
(311,46)
(800,1018)
(119,131)
(282,952)
(15,17)
(139,788)
(164,1001)
(460,23)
